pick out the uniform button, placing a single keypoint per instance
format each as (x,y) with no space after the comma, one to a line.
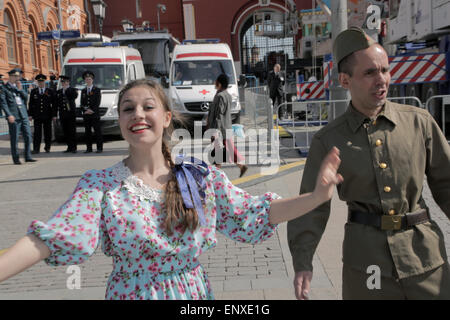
(392,212)
(383,165)
(387,189)
(378,143)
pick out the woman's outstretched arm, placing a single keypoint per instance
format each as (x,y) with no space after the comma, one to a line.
(282,210)
(28,251)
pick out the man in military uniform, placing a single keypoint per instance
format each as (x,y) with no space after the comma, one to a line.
(386,150)
(16,113)
(42,110)
(91,97)
(65,103)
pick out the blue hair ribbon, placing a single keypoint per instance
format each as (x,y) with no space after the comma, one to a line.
(190,173)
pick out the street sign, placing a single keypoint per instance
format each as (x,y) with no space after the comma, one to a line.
(67,34)
(57,34)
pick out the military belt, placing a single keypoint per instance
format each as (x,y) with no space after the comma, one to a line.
(389,222)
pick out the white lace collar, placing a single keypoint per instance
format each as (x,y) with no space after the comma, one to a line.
(135,185)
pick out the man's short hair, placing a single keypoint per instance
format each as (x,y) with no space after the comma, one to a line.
(346,64)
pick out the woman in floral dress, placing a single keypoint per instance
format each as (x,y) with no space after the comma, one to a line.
(154,217)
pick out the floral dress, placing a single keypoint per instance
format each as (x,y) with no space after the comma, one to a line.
(116,209)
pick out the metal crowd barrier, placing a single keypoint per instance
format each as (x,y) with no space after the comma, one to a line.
(258,109)
(438,111)
(304,119)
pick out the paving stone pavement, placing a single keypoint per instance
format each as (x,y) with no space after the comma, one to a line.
(236,271)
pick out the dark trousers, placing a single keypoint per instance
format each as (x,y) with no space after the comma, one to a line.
(70,133)
(40,125)
(20,126)
(94,123)
(276,101)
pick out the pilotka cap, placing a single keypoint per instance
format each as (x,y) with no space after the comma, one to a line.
(351,40)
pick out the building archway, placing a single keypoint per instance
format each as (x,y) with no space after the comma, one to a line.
(261,38)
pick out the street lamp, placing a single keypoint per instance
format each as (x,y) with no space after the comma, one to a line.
(162,8)
(99,7)
(126,24)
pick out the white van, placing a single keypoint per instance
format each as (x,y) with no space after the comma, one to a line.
(195,67)
(113,67)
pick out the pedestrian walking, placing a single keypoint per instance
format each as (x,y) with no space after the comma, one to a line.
(219,118)
(42,110)
(387,150)
(275,82)
(65,104)
(155,216)
(15,110)
(90,100)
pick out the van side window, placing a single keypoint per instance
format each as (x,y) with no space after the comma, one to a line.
(131,72)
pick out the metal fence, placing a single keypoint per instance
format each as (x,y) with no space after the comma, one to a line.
(437,106)
(258,109)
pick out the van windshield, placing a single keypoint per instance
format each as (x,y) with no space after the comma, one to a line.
(107,76)
(201,72)
(154,53)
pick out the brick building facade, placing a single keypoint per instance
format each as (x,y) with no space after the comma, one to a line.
(20,22)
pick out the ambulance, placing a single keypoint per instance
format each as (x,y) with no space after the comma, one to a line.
(113,67)
(195,66)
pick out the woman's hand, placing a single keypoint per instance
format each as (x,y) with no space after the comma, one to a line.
(328,176)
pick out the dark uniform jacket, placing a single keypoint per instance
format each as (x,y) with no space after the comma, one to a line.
(42,106)
(11,108)
(275,81)
(91,101)
(384,163)
(65,103)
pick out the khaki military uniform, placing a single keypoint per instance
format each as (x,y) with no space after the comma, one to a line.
(384,162)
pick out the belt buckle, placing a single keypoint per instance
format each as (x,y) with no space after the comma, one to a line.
(391,222)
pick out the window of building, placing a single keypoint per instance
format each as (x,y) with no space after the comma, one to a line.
(10,38)
(50,53)
(32,46)
(138,9)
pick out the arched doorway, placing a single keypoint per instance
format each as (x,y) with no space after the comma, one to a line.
(265,41)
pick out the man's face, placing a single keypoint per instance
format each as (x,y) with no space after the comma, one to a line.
(89,81)
(41,84)
(276,68)
(13,78)
(65,83)
(370,80)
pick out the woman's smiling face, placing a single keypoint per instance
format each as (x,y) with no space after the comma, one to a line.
(142,116)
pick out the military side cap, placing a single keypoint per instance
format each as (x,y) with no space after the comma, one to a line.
(15,72)
(351,40)
(40,77)
(88,74)
(63,78)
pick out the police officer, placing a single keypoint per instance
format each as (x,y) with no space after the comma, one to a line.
(65,104)
(90,104)
(387,149)
(16,113)
(42,110)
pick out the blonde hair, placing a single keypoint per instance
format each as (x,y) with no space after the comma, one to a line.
(176,212)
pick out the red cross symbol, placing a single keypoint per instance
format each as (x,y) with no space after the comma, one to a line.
(204,92)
